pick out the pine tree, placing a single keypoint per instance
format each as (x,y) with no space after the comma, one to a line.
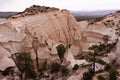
(93,57)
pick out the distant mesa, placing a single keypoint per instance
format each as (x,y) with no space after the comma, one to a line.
(79,15)
(118,11)
(7,14)
(90,15)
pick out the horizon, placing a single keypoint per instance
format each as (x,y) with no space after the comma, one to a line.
(75,11)
(81,5)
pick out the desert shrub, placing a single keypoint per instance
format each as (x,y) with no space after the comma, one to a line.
(88,75)
(107,67)
(64,70)
(100,77)
(115,64)
(8,71)
(55,67)
(113,74)
(76,66)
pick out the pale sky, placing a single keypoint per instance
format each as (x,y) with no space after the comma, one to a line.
(74,5)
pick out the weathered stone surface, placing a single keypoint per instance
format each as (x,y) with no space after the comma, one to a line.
(53,27)
(5,62)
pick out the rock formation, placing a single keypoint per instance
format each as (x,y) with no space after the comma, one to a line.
(49,27)
(53,27)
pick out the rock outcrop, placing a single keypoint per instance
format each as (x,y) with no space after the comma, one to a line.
(94,30)
(53,27)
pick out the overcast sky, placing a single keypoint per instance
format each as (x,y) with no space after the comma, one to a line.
(74,5)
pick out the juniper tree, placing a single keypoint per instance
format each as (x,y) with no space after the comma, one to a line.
(61,51)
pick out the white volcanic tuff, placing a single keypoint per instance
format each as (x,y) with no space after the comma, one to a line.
(83,25)
(69,57)
(57,26)
(19,26)
(8,33)
(5,62)
(94,33)
(16,34)
(117,52)
(100,28)
(52,25)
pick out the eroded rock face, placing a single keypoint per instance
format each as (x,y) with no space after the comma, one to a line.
(55,27)
(94,30)
(5,62)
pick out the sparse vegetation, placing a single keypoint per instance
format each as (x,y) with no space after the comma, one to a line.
(88,75)
(35,9)
(64,70)
(8,71)
(107,67)
(55,67)
(106,39)
(76,66)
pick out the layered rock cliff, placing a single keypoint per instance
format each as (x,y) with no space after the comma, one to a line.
(53,27)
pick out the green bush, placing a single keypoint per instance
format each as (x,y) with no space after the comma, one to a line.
(61,51)
(107,67)
(7,71)
(100,77)
(87,76)
(64,71)
(55,67)
(76,66)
